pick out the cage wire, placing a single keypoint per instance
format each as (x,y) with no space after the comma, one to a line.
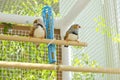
(26,52)
(118,13)
(99,29)
(27,7)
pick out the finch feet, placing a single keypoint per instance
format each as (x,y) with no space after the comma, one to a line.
(77,41)
(30,37)
(41,38)
(67,42)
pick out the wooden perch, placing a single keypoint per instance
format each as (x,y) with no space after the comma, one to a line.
(28,39)
(21,65)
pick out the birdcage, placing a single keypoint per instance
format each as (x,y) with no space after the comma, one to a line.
(95,57)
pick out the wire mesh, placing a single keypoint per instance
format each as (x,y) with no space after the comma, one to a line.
(118,13)
(26,52)
(27,7)
(100,31)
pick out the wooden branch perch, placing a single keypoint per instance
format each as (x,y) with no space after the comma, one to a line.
(21,65)
(28,39)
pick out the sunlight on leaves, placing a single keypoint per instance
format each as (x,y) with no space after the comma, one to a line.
(116,38)
(84,61)
(32,7)
(47,2)
(25,52)
(55,1)
(97,29)
(104,29)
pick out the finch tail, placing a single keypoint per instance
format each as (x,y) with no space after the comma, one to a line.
(65,46)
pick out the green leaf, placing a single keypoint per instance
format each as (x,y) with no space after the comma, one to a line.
(97,29)
(5,30)
(116,39)
(55,1)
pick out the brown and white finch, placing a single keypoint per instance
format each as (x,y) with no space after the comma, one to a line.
(72,33)
(38,30)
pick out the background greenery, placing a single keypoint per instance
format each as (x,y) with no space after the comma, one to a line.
(29,7)
(103,28)
(83,60)
(24,52)
(27,52)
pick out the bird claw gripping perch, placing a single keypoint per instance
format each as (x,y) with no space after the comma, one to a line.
(49,23)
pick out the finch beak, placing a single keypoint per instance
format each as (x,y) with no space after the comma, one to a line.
(79,27)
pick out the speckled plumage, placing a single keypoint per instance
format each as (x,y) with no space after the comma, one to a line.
(38,30)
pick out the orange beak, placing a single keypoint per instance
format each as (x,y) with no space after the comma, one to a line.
(79,26)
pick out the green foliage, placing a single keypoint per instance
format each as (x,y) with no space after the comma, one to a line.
(116,38)
(104,29)
(33,7)
(84,61)
(7,27)
(24,52)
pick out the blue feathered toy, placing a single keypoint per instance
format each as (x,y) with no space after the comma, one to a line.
(49,23)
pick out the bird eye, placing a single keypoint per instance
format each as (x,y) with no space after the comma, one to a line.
(35,21)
